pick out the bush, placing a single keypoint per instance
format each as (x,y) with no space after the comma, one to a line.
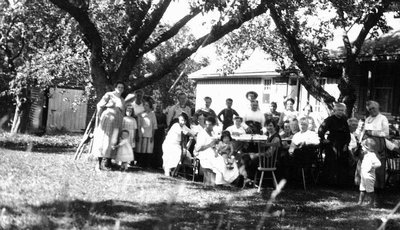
(7,140)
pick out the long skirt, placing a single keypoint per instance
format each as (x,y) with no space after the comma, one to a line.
(171,155)
(144,145)
(223,175)
(106,133)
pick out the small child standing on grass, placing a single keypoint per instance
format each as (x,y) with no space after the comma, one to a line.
(124,150)
(368,165)
(129,123)
(225,149)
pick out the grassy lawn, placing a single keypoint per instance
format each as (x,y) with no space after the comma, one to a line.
(51,191)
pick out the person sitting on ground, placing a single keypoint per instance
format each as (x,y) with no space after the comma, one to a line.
(369,163)
(227,113)
(124,153)
(175,110)
(225,149)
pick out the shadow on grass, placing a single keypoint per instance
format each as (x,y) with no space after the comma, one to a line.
(317,210)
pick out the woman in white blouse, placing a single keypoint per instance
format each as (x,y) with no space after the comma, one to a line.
(376,126)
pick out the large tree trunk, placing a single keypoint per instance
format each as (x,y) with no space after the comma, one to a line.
(346,87)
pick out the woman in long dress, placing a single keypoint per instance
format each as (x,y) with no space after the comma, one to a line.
(205,147)
(147,125)
(111,112)
(171,147)
(376,126)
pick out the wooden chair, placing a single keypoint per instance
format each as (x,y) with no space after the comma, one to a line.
(393,168)
(188,161)
(308,158)
(267,163)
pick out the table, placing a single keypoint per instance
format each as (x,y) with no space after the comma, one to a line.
(250,138)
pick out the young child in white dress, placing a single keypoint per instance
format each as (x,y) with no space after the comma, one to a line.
(129,123)
(368,165)
(124,150)
(225,149)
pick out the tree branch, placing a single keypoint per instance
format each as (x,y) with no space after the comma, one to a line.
(370,21)
(309,80)
(136,12)
(92,40)
(171,32)
(131,56)
(215,34)
(346,40)
(20,50)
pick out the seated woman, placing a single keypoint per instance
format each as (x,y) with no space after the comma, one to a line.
(172,144)
(273,142)
(205,148)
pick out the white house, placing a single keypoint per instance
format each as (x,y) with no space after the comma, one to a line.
(259,74)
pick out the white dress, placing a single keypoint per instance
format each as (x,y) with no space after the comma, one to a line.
(207,158)
(172,146)
(124,152)
(130,124)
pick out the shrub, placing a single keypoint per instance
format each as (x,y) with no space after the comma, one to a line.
(7,140)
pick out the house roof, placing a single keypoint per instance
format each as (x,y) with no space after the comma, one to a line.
(258,65)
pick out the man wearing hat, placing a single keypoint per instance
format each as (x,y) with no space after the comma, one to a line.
(251,95)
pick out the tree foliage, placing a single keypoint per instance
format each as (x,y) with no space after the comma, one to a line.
(296,33)
(119,34)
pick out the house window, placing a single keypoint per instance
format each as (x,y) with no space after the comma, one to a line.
(322,81)
(267,84)
(266,98)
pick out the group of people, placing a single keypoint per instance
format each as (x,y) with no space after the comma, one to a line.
(126,130)
(130,132)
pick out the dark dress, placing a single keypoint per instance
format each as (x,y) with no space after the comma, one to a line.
(336,164)
(159,136)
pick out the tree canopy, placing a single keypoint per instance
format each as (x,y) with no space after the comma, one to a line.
(295,33)
(118,34)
